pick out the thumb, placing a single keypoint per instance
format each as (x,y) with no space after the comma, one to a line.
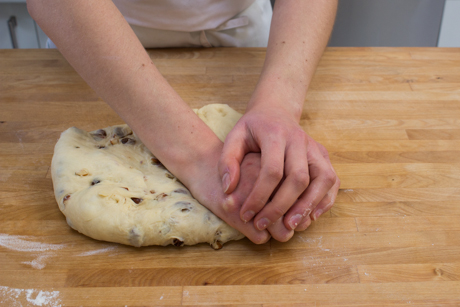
(232,155)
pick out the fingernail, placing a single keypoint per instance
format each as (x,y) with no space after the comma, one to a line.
(294,221)
(225,182)
(317,214)
(263,223)
(248,215)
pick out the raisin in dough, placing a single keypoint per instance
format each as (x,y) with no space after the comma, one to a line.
(110,187)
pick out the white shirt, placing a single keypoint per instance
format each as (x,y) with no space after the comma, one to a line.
(181,15)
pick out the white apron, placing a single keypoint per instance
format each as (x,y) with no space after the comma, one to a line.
(198,23)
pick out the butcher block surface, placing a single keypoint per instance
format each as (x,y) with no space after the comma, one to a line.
(390,118)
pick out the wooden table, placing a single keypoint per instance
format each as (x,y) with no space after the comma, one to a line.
(390,119)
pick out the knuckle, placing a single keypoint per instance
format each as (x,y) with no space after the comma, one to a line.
(301,178)
(256,204)
(321,148)
(230,206)
(330,178)
(275,130)
(274,172)
(300,134)
(277,211)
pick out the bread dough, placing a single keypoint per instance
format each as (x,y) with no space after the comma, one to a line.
(110,187)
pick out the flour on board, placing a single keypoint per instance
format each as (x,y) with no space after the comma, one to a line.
(15,297)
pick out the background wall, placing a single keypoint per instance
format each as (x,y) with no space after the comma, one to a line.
(27,33)
(358,23)
(387,23)
(450,26)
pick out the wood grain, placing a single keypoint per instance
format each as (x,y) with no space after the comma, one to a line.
(390,118)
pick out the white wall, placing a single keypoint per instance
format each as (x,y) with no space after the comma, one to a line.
(349,34)
(395,23)
(26,29)
(449,35)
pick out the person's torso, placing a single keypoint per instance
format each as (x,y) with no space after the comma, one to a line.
(180,15)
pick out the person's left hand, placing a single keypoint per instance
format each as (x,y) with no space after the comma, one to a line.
(310,185)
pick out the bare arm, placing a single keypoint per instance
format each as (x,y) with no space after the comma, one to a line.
(97,41)
(298,36)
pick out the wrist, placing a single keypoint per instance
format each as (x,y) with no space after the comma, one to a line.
(177,137)
(203,159)
(275,92)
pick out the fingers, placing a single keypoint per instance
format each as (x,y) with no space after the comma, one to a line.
(327,202)
(233,202)
(306,222)
(279,232)
(271,173)
(297,180)
(232,155)
(233,219)
(324,205)
(323,178)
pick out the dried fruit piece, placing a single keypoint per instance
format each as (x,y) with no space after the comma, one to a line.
(155,161)
(152,191)
(136,200)
(83,172)
(177,242)
(66,198)
(128,141)
(100,147)
(125,188)
(169,175)
(95,181)
(181,191)
(119,132)
(161,196)
(99,134)
(217,245)
(184,205)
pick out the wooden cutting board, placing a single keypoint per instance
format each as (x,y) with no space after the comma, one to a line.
(390,118)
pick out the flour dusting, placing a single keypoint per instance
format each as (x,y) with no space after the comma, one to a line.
(15,297)
(39,262)
(18,243)
(22,244)
(98,251)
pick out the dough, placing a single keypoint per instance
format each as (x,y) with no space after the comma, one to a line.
(110,187)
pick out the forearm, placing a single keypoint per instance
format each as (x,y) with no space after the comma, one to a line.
(96,40)
(299,34)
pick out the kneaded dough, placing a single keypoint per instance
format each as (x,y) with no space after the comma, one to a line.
(111,187)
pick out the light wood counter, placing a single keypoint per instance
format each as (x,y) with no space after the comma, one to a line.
(390,118)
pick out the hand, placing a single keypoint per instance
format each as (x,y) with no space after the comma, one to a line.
(204,182)
(310,184)
(250,168)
